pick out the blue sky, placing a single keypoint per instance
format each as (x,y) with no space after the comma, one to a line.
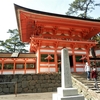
(7,11)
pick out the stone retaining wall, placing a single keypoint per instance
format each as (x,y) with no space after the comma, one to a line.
(30,83)
(37,83)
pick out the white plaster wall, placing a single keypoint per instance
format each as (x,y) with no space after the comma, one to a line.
(98,69)
(47,64)
(97,52)
(59,51)
(79,64)
(19,72)
(79,52)
(7,72)
(30,71)
(47,51)
(47,69)
(79,69)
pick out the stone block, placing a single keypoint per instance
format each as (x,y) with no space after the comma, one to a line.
(67,91)
(59,97)
(5,90)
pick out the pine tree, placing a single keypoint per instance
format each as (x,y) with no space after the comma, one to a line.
(13,44)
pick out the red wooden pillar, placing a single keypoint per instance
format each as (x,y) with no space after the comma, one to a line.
(55,59)
(87,49)
(48,64)
(25,66)
(87,55)
(38,60)
(14,68)
(31,45)
(2,65)
(74,60)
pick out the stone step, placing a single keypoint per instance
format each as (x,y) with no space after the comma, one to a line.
(97,91)
(93,88)
(90,84)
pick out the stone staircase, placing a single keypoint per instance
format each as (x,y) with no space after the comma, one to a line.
(90,84)
(87,87)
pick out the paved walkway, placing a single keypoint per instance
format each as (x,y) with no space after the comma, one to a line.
(28,96)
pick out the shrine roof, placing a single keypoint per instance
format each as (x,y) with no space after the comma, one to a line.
(52,14)
(21,55)
(91,24)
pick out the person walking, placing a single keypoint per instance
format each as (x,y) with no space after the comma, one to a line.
(94,75)
(87,70)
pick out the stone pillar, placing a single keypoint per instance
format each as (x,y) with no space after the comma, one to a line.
(66,81)
(66,91)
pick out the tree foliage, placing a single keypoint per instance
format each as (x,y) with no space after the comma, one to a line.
(82,8)
(13,44)
(97,38)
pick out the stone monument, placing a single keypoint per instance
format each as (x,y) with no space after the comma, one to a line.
(66,91)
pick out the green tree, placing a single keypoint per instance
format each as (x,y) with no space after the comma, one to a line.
(82,8)
(13,44)
(98,18)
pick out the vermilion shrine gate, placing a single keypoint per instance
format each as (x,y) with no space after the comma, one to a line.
(48,33)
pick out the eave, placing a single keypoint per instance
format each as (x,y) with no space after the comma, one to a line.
(88,27)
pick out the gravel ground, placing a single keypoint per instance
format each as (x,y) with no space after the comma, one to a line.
(28,96)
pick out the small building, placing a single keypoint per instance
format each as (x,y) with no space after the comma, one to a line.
(17,63)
